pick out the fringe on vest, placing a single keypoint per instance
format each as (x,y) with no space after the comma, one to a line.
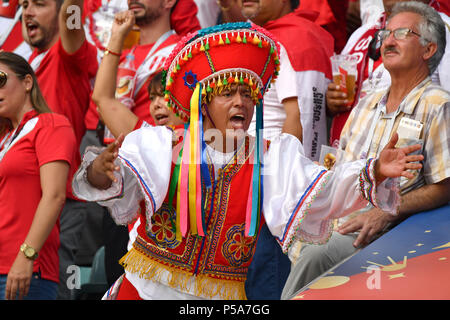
(204,286)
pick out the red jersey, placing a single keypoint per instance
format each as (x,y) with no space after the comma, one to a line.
(64,80)
(312,45)
(45,138)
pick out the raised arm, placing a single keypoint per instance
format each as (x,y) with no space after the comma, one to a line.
(113,181)
(116,116)
(71,26)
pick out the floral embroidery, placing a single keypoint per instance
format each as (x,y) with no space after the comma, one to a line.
(203,256)
(237,248)
(162,230)
(367,182)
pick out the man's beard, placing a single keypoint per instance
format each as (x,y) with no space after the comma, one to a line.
(45,40)
(47,35)
(149,16)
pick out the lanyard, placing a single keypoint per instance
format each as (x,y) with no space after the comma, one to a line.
(140,80)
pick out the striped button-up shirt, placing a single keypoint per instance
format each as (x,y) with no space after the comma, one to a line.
(369,128)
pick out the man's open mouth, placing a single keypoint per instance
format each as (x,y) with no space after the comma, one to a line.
(238,121)
(32,28)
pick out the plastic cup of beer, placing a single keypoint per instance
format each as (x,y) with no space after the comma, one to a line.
(344,67)
(132,38)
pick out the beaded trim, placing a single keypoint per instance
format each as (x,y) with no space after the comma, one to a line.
(301,210)
(367,183)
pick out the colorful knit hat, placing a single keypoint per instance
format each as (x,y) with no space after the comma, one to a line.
(201,64)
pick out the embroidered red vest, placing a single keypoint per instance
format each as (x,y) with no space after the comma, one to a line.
(216,264)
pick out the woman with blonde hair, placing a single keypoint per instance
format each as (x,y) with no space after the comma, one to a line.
(37,148)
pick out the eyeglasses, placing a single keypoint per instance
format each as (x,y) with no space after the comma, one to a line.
(3,78)
(399,34)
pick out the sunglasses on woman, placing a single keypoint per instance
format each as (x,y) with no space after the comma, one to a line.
(3,78)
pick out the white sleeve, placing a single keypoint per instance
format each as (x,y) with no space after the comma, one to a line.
(147,153)
(309,87)
(301,199)
(285,85)
(121,199)
(312,86)
(145,164)
(208,12)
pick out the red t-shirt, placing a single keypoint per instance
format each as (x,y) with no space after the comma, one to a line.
(64,80)
(312,45)
(52,138)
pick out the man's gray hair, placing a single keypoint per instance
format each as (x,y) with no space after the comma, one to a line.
(432,27)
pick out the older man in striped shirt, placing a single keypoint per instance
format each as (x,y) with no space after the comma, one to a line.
(412,46)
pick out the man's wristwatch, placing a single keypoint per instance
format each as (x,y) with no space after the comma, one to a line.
(29,252)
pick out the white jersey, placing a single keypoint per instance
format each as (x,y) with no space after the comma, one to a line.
(309,87)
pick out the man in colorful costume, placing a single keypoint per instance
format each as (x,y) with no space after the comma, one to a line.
(201,214)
